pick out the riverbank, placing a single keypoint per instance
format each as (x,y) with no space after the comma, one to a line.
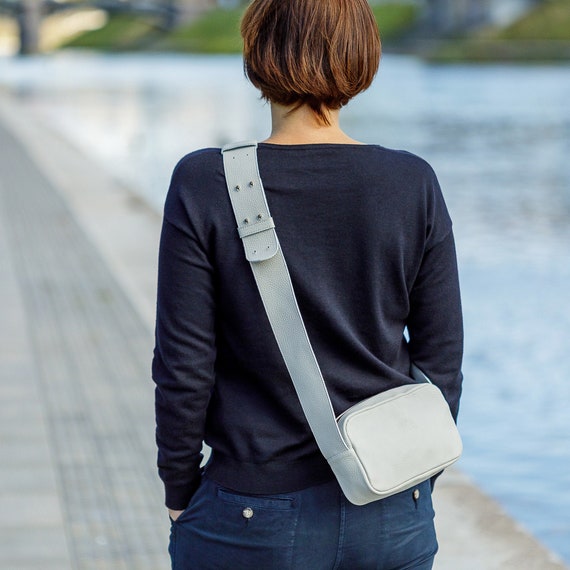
(79,290)
(474,50)
(541,35)
(213,32)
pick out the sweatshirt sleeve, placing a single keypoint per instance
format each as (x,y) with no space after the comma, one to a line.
(435,322)
(184,354)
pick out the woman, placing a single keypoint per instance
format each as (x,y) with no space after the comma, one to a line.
(370,249)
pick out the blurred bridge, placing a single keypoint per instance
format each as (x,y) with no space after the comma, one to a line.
(30,13)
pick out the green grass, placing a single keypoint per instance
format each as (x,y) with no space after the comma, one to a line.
(217,31)
(549,20)
(394,20)
(122,32)
(541,35)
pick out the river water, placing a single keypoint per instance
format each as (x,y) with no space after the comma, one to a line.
(498,137)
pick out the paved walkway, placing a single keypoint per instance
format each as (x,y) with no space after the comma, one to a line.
(78,488)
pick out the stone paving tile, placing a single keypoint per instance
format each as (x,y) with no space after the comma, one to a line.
(47,545)
(26,479)
(33,509)
(39,564)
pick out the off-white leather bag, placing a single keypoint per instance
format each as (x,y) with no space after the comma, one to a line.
(383,445)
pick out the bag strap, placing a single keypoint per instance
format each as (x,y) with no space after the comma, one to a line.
(257,231)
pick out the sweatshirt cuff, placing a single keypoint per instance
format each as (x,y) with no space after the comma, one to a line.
(177,497)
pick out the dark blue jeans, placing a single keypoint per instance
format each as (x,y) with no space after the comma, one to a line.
(313,529)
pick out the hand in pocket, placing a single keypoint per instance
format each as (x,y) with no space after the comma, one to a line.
(174,514)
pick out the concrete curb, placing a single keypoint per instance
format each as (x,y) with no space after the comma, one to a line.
(474,532)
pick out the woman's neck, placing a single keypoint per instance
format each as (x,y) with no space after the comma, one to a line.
(301,126)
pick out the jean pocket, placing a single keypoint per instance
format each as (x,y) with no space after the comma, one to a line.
(273,502)
(233,530)
(259,519)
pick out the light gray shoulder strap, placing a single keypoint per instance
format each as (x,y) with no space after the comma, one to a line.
(257,231)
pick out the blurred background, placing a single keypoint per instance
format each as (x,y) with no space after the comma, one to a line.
(480,88)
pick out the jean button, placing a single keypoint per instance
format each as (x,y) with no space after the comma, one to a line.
(416,494)
(247,513)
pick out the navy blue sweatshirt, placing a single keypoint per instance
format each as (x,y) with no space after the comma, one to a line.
(369,246)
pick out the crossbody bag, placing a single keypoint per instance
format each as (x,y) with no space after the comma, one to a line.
(385,444)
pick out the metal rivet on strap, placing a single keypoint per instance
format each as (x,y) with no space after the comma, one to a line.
(251,184)
(247,513)
(238,188)
(246,221)
(260,216)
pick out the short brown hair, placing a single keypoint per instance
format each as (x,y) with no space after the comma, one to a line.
(320,53)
